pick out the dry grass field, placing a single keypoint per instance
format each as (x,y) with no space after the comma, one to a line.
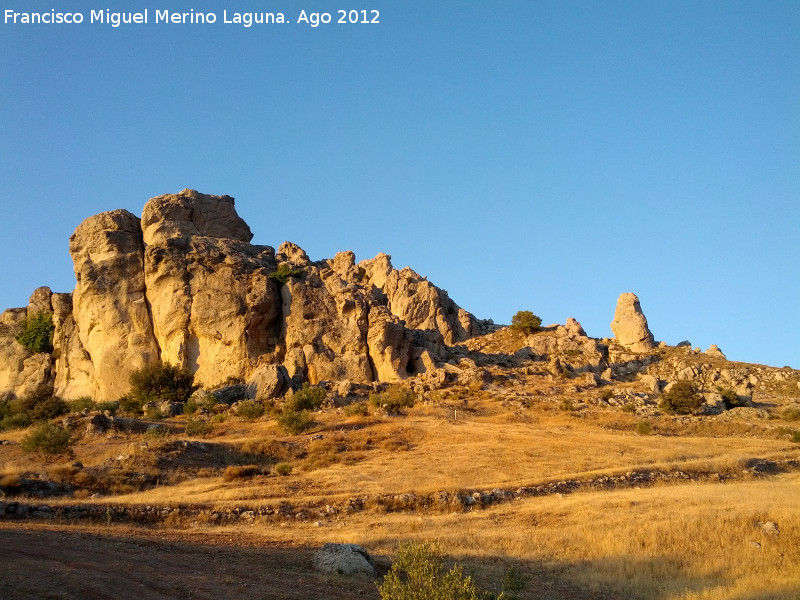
(699,536)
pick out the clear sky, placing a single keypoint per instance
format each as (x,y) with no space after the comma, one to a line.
(531,155)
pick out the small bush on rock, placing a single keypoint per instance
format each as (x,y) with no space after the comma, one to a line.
(36,334)
(526,322)
(284,272)
(681,399)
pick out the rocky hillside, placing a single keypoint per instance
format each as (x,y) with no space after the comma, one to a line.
(184,285)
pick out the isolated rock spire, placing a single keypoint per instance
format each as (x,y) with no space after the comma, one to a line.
(630,324)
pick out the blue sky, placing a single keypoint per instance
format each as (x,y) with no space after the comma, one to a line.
(545,156)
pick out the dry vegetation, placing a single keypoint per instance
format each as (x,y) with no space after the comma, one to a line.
(691,538)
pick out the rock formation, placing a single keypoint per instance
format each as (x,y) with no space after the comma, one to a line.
(630,325)
(184,285)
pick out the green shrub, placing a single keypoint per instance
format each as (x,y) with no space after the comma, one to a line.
(418,573)
(206,402)
(356,409)
(36,333)
(130,405)
(731,399)
(196,427)
(284,272)
(394,399)
(48,407)
(644,427)
(526,322)
(567,405)
(629,407)
(48,440)
(249,410)
(294,421)
(306,398)
(152,412)
(795,437)
(19,420)
(681,399)
(110,405)
(157,431)
(283,468)
(161,382)
(82,403)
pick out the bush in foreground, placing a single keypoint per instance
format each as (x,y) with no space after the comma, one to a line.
(418,573)
(48,440)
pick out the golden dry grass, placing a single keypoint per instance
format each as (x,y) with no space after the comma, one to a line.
(694,541)
(687,542)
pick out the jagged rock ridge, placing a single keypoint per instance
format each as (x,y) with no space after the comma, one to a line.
(184,285)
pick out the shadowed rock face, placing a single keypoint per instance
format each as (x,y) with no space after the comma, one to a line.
(630,325)
(184,285)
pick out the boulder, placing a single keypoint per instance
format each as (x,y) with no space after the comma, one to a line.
(630,325)
(572,328)
(713,350)
(343,559)
(268,381)
(651,383)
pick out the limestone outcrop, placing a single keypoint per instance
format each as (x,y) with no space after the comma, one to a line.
(109,302)
(630,325)
(184,285)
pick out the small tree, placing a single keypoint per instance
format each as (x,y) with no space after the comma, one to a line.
(48,440)
(681,399)
(284,272)
(161,382)
(36,333)
(526,322)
